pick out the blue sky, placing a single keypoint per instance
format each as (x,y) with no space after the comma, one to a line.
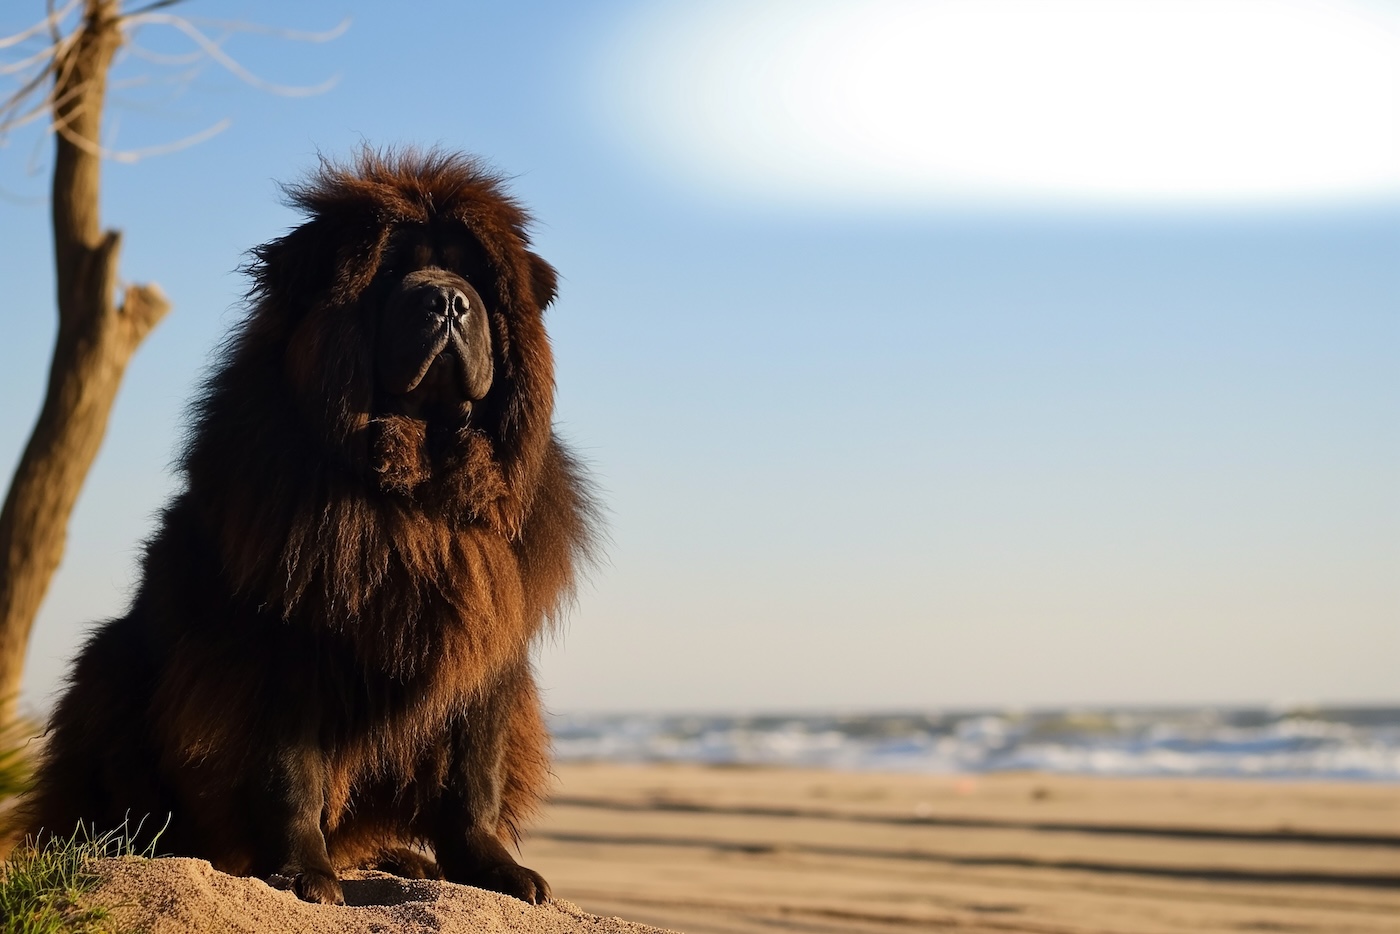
(1007,408)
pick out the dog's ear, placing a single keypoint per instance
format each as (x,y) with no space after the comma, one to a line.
(331,256)
(363,241)
(297,267)
(544,282)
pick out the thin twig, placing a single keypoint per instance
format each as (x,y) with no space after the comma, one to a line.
(53,19)
(12,112)
(136,155)
(161,58)
(258,29)
(8,41)
(14,68)
(230,64)
(159,4)
(49,69)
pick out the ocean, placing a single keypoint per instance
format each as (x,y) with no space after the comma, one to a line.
(1354,744)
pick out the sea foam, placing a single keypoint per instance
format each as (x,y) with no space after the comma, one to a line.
(1359,744)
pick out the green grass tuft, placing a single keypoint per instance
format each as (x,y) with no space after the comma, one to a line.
(43,889)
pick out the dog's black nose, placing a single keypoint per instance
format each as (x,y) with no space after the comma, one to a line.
(444,301)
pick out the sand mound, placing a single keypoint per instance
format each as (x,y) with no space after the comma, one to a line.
(187,896)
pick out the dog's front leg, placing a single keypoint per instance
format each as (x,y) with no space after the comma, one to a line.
(288,814)
(466,838)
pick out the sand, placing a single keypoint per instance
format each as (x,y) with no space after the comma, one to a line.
(746,850)
(186,896)
(742,851)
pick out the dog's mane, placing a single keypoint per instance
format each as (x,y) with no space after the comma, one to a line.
(366,523)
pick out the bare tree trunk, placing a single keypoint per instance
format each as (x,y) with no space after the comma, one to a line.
(96,338)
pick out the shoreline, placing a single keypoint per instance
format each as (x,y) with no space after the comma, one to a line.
(1322,743)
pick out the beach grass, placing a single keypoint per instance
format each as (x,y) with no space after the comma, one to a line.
(44,889)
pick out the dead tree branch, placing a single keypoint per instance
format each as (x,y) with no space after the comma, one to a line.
(100,325)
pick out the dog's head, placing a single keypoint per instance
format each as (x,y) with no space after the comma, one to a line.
(408,311)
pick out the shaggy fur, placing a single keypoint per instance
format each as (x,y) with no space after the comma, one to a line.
(326,663)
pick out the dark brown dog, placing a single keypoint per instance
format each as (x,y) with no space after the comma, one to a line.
(327,661)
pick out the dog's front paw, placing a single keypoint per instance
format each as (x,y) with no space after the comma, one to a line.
(319,886)
(516,881)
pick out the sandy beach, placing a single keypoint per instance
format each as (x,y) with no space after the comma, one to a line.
(702,849)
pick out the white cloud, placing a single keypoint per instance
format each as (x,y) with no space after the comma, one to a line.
(1184,102)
